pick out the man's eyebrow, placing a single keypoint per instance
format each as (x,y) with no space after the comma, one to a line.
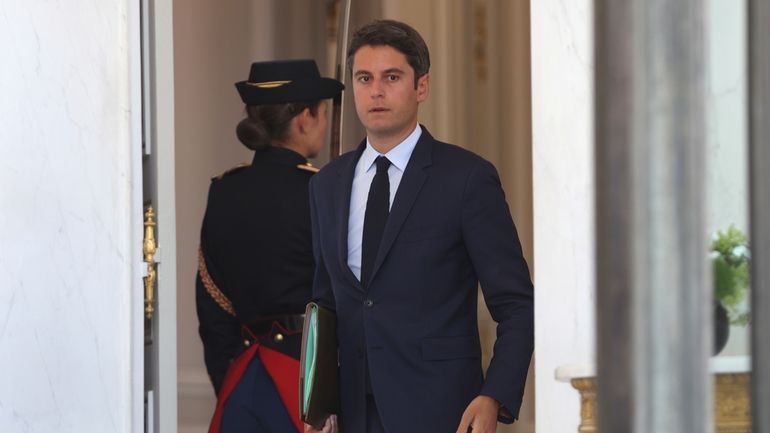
(387,71)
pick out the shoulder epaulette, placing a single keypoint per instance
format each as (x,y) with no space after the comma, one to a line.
(308,167)
(232,170)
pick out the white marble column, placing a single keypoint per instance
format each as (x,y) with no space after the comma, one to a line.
(563,177)
(69,147)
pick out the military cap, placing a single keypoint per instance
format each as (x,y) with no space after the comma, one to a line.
(286,81)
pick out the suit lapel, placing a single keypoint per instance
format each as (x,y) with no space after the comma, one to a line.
(408,190)
(345,179)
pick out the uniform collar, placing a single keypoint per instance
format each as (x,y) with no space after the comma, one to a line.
(280,155)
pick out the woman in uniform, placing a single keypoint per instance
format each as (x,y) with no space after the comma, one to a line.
(255,263)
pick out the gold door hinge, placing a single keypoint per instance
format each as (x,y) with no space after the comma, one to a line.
(150,247)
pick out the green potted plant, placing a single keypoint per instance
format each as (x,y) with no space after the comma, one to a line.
(730,258)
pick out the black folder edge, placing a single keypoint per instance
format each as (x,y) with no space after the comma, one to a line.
(325,319)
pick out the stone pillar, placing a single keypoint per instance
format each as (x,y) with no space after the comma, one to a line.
(759,120)
(653,287)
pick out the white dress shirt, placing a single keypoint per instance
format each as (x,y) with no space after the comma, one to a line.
(362,180)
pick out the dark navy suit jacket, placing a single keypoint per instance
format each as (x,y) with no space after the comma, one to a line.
(449,229)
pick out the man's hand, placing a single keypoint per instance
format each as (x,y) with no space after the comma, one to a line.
(480,416)
(330,426)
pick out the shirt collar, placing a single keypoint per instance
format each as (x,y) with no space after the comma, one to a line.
(398,156)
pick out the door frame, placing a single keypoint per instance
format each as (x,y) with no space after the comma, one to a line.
(153,175)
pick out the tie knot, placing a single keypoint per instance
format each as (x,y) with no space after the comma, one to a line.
(382,164)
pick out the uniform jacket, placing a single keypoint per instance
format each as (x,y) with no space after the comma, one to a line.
(448,230)
(256,242)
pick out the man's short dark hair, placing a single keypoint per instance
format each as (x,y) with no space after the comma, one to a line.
(394,34)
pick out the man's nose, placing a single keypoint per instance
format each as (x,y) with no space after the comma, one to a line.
(377,88)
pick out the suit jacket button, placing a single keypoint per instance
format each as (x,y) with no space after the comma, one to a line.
(278,338)
(368,303)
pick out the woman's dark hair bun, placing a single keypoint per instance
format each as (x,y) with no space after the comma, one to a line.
(252,134)
(268,125)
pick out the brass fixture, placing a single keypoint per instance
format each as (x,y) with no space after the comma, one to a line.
(150,247)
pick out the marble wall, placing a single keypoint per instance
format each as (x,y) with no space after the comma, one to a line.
(68,229)
(563,177)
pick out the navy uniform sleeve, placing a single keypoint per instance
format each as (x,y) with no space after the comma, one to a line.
(220,333)
(219,330)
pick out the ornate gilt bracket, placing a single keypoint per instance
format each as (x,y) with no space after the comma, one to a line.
(150,247)
(732,406)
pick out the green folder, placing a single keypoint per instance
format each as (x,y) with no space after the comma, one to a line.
(319,369)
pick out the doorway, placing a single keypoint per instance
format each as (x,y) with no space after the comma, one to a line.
(214,44)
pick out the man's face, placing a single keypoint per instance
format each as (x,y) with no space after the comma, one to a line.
(385,95)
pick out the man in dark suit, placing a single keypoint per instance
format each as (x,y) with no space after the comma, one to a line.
(404,229)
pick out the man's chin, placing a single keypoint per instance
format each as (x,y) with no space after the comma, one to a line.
(379,129)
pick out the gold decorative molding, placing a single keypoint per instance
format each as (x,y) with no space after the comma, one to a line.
(149,249)
(332,23)
(211,287)
(587,390)
(269,84)
(732,404)
(480,39)
(732,413)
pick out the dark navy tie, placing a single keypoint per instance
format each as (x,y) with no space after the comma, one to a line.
(377,209)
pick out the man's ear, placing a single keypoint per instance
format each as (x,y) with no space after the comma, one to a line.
(423,87)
